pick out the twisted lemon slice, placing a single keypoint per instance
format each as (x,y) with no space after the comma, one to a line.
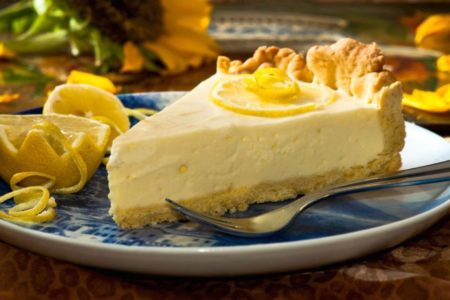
(33,151)
(273,84)
(269,92)
(28,143)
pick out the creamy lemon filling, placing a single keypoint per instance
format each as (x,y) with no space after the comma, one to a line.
(195,148)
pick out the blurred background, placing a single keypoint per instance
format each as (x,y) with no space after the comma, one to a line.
(161,45)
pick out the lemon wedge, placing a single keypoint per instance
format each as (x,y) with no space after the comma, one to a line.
(268,94)
(91,102)
(63,147)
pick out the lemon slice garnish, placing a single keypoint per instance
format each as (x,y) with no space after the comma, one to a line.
(91,102)
(268,95)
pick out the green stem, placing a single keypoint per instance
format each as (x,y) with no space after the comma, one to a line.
(16,8)
(43,43)
(39,25)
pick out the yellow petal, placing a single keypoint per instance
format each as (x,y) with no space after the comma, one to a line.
(5,52)
(170,58)
(444,92)
(187,44)
(194,14)
(92,79)
(133,60)
(8,97)
(426,100)
(175,61)
(443,63)
(434,33)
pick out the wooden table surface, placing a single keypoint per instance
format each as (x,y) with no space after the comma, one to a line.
(416,269)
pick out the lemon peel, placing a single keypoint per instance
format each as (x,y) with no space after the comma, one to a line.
(28,206)
(140,113)
(40,210)
(24,148)
(273,84)
(53,131)
(19,177)
(109,122)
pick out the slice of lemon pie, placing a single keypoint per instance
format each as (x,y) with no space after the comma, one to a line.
(266,129)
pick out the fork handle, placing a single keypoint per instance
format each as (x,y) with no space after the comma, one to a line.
(424,170)
(417,176)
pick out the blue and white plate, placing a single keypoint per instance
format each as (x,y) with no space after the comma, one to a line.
(331,231)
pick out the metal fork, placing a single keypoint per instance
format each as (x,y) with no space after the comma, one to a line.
(273,221)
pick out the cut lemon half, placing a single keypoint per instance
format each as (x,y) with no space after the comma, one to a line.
(232,93)
(26,146)
(91,102)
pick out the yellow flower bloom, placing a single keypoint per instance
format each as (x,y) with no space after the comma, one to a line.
(184,42)
(166,36)
(434,33)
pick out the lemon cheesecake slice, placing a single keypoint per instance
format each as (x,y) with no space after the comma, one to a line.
(266,129)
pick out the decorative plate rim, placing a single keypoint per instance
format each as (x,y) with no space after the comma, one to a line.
(313,242)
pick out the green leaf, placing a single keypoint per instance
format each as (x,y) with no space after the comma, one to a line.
(24,74)
(20,24)
(106,51)
(17,17)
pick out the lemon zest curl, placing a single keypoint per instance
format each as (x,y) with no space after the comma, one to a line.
(34,203)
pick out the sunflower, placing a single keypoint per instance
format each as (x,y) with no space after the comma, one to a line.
(165,36)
